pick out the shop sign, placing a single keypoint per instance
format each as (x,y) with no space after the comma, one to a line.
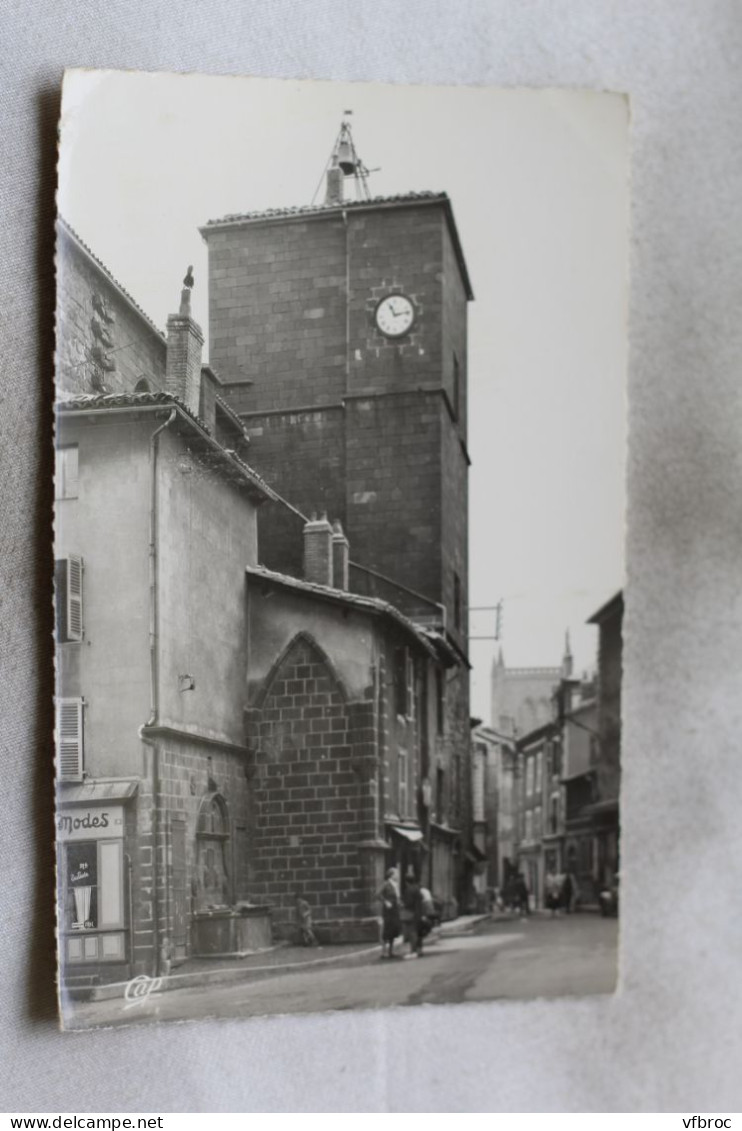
(91,824)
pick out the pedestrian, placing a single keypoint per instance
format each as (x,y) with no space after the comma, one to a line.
(391,920)
(552,893)
(414,916)
(304,920)
(522,895)
(428,911)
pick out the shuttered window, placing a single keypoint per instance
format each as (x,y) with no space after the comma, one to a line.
(70,739)
(68,593)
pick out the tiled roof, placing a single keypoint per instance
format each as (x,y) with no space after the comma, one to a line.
(343,597)
(70,231)
(87,401)
(309,209)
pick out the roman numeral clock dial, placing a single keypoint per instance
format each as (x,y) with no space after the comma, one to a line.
(395,315)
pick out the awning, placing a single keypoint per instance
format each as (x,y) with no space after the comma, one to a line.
(409,834)
(96,792)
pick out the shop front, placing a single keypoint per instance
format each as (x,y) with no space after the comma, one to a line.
(93,880)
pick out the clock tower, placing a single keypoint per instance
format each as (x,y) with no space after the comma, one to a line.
(339,333)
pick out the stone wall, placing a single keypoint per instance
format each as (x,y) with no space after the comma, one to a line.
(104,342)
(312,758)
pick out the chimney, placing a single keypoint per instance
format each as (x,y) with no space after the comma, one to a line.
(567,661)
(318,551)
(184,343)
(340,555)
(334,192)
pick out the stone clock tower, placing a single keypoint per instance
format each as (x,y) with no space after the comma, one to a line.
(339,332)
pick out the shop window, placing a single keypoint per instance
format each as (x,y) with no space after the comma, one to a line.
(65,472)
(70,745)
(212,854)
(68,598)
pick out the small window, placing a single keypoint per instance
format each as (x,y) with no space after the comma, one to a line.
(403,768)
(65,472)
(440,795)
(68,598)
(529,825)
(529,776)
(404,682)
(539,771)
(554,814)
(440,701)
(456,389)
(70,759)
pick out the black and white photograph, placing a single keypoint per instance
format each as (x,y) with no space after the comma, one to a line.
(339,545)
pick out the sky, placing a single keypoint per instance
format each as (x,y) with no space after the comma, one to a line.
(539,182)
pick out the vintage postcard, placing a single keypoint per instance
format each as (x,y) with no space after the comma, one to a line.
(340,444)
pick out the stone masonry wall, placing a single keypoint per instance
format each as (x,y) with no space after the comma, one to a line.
(393,488)
(312,756)
(129,343)
(277,310)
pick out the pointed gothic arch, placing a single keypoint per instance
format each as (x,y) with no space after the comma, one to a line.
(286,658)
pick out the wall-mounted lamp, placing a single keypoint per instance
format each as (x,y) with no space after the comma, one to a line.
(186,683)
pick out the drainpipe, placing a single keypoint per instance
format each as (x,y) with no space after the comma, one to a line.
(347,302)
(153,680)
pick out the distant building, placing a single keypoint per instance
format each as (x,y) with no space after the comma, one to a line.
(521,697)
(493,809)
(566,776)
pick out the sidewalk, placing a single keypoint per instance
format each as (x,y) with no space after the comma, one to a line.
(464,924)
(275,960)
(280,959)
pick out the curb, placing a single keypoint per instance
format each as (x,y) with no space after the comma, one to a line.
(232,974)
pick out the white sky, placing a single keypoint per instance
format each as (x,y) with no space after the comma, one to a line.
(539,186)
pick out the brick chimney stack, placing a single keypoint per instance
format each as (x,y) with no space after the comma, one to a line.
(318,551)
(184,343)
(334,191)
(340,556)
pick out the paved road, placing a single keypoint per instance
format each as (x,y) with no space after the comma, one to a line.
(536,957)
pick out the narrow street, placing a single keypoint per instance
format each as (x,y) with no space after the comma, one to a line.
(529,958)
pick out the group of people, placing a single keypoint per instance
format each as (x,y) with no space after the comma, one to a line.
(408,913)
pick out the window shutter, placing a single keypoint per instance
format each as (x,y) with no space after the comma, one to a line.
(68,586)
(74,597)
(70,739)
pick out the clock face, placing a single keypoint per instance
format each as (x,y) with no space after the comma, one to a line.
(394,315)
